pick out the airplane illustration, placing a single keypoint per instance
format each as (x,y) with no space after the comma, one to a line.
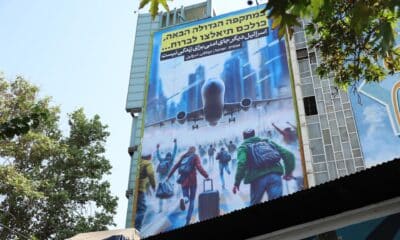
(214,107)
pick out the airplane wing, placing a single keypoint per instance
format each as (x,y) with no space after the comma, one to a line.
(196,115)
(161,123)
(256,103)
(193,116)
(230,108)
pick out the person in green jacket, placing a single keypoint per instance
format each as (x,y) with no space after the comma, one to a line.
(262,179)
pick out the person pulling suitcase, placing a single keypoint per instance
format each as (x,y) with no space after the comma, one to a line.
(187,167)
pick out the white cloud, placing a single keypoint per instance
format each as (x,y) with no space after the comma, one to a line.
(379,148)
(379,144)
(374,117)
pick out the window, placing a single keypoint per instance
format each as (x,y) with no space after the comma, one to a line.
(164,20)
(314,131)
(171,19)
(303,66)
(310,106)
(302,54)
(299,37)
(313,59)
(179,17)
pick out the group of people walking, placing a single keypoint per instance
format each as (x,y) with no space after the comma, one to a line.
(259,162)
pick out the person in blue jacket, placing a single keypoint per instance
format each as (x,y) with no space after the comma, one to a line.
(164,166)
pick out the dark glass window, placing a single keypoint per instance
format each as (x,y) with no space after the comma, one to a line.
(310,106)
(302,53)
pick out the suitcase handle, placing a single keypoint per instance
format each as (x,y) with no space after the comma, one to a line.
(204,184)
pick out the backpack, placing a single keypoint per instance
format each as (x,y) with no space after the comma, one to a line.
(262,154)
(224,157)
(187,165)
(163,167)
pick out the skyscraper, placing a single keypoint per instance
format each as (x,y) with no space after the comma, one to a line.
(195,82)
(249,76)
(265,80)
(157,103)
(232,77)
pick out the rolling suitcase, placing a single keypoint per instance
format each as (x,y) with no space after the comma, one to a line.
(208,202)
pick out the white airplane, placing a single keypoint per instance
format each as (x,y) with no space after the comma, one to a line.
(214,107)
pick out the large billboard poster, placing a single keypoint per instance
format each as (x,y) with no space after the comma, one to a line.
(219,125)
(376,108)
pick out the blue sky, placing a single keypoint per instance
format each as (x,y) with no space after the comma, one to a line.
(79,52)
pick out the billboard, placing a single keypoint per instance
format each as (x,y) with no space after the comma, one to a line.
(220,125)
(376,111)
(376,108)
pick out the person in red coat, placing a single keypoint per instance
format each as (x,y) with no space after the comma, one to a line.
(187,166)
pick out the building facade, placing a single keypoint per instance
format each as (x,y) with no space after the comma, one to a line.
(329,136)
(331,143)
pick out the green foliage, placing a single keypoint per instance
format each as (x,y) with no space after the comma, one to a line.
(355,38)
(13,181)
(53,184)
(19,122)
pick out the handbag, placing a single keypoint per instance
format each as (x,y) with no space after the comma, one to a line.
(165,190)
